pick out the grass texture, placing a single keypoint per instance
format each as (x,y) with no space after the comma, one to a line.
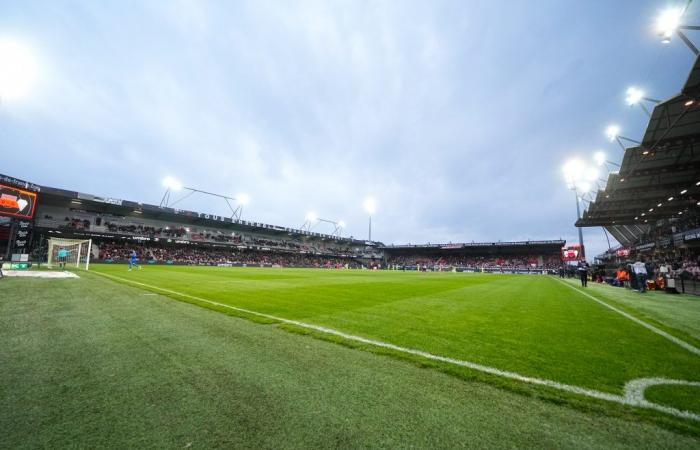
(92,363)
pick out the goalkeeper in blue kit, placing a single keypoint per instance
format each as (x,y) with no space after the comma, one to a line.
(133,261)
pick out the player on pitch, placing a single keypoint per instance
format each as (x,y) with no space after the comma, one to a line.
(133,261)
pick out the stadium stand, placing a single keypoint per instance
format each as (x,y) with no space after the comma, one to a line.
(162,235)
(511,257)
(651,204)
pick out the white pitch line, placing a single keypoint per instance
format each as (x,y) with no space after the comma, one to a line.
(630,400)
(691,348)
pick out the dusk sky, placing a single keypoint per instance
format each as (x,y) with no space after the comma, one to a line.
(455,115)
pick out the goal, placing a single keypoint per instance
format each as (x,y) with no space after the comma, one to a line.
(69,252)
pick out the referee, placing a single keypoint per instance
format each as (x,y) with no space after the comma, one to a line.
(583,272)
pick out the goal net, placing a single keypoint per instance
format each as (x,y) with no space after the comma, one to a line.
(67,253)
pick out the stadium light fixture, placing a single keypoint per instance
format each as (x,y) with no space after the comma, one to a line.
(669,22)
(612,132)
(601,159)
(636,96)
(590,174)
(310,219)
(19,69)
(171,184)
(243,199)
(576,173)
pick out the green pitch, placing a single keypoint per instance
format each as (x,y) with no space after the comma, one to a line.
(535,327)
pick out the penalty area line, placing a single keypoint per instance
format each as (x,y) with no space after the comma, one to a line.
(592,393)
(680,342)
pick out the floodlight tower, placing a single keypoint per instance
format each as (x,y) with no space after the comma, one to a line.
(171,184)
(613,134)
(669,22)
(19,69)
(602,160)
(370,206)
(338,225)
(636,96)
(311,219)
(243,200)
(574,172)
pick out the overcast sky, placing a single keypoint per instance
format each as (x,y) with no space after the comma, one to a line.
(456,115)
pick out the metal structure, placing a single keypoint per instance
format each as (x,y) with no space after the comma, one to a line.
(173,185)
(659,178)
(312,220)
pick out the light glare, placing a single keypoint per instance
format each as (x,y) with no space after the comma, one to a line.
(599,158)
(19,69)
(243,199)
(311,216)
(172,183)
(668,22)
(370,205)
(612,132)
(634,95)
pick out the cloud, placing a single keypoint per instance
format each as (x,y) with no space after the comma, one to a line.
(454,117)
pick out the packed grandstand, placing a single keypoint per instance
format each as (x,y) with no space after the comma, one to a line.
(162,235)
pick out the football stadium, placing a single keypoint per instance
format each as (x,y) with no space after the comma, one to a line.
(153,322)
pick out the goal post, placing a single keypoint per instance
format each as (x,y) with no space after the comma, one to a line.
(67,253)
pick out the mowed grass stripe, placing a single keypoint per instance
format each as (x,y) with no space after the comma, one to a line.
(531,325)
(624,400)
(652,328)
(89,363)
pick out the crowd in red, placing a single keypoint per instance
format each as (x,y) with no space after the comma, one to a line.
(492,262)
(120,252)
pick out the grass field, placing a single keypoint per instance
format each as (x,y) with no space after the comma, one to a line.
(146,348)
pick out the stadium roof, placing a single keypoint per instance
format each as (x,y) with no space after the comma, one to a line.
(61,197)
(477,247)
(658,179)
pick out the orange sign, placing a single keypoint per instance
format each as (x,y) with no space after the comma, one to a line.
(15,202)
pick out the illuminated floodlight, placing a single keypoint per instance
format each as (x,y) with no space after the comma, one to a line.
(573,172)
(634,95)
(311,216)
(370,205)
(172,183)
(612,132)
(19,69)
(590,174)
(584,186)
(599,158)
(341,224)
(668,22)
(243,199)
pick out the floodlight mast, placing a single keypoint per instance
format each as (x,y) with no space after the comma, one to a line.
(669,22)
(574,176)
(370,205)
(312,220)
(636,96)
(613,134)
(173,184)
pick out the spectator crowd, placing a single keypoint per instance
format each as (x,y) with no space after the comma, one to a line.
(191,255)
